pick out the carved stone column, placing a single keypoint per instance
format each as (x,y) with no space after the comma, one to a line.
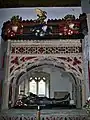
(26,86)
(6,82)
(13,94)
(85,48)
(5,96)
(83,93)
(88,22)
(78,97)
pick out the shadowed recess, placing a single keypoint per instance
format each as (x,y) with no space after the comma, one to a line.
(39,3)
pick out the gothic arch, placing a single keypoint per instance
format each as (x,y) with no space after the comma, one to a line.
(23,73)
(38,61)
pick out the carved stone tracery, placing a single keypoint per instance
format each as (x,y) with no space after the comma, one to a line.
(64,52)
(53,47)
(44,50)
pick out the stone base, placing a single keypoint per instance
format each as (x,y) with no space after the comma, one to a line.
(54,114)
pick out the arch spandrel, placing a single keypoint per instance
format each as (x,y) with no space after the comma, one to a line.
(39,61)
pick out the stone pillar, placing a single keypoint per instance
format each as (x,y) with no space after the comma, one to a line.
(88,22)
(26,86)
(78,97)
(83,93)
(5,96)
(73,92)
(85,48)
(13,94)
(6,82)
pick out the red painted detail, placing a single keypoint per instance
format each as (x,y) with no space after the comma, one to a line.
(23,59)
(35,59)
(76,61)
(13,50)
(41,50)
(15,61)
(29,58)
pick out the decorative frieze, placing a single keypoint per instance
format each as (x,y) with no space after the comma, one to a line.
(67,27)
(44,50)
(46,47)
(73,117)
(48,114)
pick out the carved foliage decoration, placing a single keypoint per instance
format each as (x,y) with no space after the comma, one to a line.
(70,64)
(68,27)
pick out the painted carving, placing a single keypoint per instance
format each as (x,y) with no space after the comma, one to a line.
(68,27)
(42,15)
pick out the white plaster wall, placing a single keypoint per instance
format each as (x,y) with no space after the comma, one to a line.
(85,6)
(59,80)
(59,83)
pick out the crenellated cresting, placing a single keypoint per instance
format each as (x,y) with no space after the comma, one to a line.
(68,27)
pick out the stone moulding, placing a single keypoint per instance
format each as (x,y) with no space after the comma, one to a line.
(44,115)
